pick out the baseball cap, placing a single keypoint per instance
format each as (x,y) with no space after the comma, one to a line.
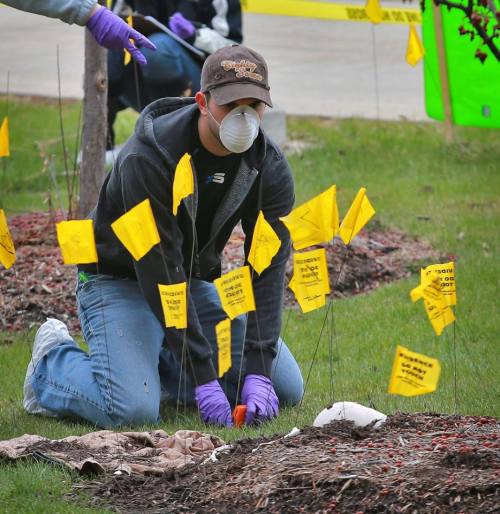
(235,72)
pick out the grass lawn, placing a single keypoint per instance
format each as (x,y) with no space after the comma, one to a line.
(448,194)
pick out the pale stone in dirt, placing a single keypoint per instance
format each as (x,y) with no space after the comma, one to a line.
(350,411)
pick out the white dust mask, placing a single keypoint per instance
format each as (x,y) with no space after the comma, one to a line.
(239,128)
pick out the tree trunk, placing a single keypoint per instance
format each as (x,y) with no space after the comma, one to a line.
(92,169)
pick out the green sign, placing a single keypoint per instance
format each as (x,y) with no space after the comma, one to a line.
(474,87)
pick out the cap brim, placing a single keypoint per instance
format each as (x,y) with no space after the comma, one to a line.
(228,93)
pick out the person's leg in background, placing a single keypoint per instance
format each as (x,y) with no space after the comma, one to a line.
(116,72)
(285,374)
(117,382)
(171,70)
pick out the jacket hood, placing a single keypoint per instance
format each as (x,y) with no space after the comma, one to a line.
(159,118)
(163,117)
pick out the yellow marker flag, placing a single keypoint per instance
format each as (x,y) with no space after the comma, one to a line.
(307,302)
(223,334)
(136,230)
(315,221)
(236,292)
(7,250)
(440,316)
(359,214)
(265,245)
(439,312)
(310,282)
(374,11)
(183,181)
(415,50)
(76,240)
(126,56)
(174,304)
(413,373)
(446,274)
(4,138)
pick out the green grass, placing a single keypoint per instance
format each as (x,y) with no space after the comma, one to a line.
(447,194)
(30,487)
(35,171)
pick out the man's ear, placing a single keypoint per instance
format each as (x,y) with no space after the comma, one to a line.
(201,100)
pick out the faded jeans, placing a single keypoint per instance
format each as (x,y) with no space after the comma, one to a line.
(127,370)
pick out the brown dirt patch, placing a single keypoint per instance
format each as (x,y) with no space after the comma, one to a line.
(416,463)
(38,285)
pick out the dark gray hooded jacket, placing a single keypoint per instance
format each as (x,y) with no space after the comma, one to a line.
(145,169)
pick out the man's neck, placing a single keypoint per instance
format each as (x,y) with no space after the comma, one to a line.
(209,141)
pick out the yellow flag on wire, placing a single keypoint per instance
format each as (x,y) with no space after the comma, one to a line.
(415,50)
(413,373)
(76,241)
(265,245)
(126,56)
(223,334)
(429,289)
(7,250)
(136,230)
(4,138)
(374,11)
(236,292)
(310,282)
(315,221)
(308,301)
(174,304)
(183,181)
(437,308)
(446,273)
(440,316)
(359,214)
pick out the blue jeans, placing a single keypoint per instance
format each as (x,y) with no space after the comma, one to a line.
(127,370)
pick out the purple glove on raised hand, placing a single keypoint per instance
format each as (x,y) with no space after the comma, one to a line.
(213,404)
(180,26)
(112,32)
(260,398)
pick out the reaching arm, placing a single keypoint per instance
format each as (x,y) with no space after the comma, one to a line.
(109,30)
(69,11)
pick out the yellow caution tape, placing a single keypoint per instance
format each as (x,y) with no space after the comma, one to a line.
(327,11)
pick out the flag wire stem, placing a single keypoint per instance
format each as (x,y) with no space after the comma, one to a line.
(61,128)
(4,160)
(136,83)
(375,71)
(78,140)
(311,366)
(184,337)
(252,273)
(53,177)
(455,367)
(331,336)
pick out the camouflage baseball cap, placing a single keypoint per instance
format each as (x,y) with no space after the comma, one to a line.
(235,72)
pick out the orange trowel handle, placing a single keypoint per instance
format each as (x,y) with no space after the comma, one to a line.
(239,414)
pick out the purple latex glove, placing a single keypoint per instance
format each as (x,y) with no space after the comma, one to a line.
(180,26)
(213,404)
(260,398)
(112,32)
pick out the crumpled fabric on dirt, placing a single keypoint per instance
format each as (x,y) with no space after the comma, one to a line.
(147,453)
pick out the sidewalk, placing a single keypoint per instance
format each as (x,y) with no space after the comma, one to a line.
(317,67)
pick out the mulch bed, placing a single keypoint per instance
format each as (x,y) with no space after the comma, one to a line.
(416,463)
(38,285)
